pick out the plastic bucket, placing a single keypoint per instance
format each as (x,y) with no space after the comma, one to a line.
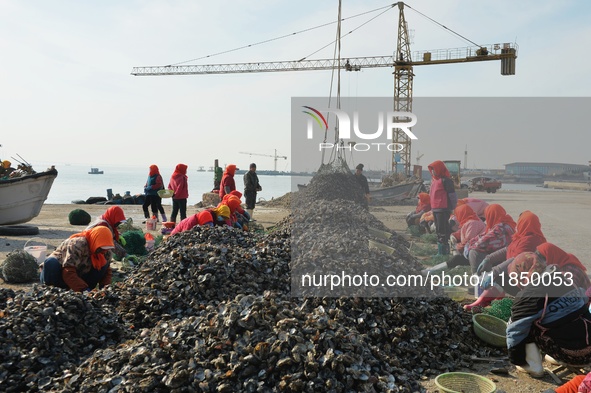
(151,224)
(38,252)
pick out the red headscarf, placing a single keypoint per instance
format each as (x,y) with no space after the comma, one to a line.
(204,217)
(236,193)
(154,170)
(438,170)
(114,215)
(230,170)
(525,262)
(97,237)
(464,214)
(556,256)
(180,169)
(424,202)
(495,214)
(233,202)
(528,235)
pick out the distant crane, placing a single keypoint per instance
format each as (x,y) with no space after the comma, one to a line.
(419,157)
(275,157)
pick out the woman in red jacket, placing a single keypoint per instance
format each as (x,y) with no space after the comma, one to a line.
(178,183)
(443,200)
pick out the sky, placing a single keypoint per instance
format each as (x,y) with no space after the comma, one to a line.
(67,95)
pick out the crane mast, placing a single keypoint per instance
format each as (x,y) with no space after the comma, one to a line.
(403,78)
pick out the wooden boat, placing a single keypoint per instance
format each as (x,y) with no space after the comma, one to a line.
(95,171)
(21,198)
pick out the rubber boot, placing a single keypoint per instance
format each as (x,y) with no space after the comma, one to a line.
(164,219)
(488,295)
(250,212)
(439,250)
(445,248)
(533,357)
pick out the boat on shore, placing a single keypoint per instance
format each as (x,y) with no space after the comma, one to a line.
(21,198)
(398,192)
(95,171)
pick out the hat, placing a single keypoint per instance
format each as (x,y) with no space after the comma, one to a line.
(253,165)
(359,166)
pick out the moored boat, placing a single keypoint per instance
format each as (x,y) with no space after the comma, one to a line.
(21,198)
(95,171)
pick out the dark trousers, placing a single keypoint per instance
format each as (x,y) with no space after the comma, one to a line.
(250,198)
(442,226)
(52,274)
(155,203)
(179,205)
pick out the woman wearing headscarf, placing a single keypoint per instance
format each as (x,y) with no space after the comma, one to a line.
(443,199)
(478,205)
(151,188)
(80,262)
(547,314)
(219,215)
(567,263)
(178,183)
(423,206)
(527,237)
(228,184)
(112,218)
(498,233)
(238,216)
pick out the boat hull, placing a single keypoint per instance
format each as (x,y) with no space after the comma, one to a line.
(397,192)
(22,198)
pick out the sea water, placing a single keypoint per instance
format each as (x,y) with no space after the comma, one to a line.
(74,183)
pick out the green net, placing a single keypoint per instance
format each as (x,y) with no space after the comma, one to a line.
(500,308)
(19,267)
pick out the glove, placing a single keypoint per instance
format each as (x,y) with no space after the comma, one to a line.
(485,266)
(486,280)
(122,241)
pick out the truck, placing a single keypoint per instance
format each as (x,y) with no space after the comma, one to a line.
(483,183)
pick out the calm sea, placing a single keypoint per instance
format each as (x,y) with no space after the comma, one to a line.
(75,183)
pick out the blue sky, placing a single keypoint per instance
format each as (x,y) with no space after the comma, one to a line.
(67,95)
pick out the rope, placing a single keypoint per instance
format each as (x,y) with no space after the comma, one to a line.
(445,27)
(286,35)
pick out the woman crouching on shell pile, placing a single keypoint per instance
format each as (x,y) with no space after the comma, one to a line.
(80,262)
(550,313)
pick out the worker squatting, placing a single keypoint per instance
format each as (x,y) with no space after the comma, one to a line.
(346,280)
(377,146)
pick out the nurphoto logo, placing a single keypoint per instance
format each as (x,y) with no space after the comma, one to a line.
(392,121)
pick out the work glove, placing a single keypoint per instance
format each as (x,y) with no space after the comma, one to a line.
(122,241)
(486,280)
(485,266)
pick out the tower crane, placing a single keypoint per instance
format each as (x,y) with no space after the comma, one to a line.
(403,62)
(275,157)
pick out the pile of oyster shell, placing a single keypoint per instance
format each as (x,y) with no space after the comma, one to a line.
(212,310)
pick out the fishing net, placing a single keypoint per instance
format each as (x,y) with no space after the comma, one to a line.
(79,217)
(500,308)
(19,267)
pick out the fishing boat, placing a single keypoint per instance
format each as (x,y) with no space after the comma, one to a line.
(201,169)
(95,171)
(21,198)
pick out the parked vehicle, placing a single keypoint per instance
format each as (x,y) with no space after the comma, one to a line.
(487,184)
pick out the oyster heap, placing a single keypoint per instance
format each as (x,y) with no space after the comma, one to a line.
(212,310)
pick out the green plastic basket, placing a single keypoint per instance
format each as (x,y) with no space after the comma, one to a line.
(491,330)
(464,383)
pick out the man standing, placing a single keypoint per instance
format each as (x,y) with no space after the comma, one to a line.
(251,187)
(362,180)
